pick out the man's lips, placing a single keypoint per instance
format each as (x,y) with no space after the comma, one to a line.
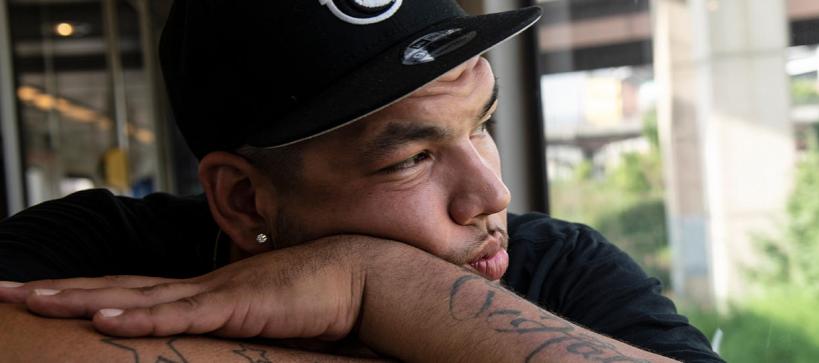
(492,260)
(492,267)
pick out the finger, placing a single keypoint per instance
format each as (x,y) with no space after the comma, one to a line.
(75,303)
(199,314)
(17,293)
(98,282)
(12,292)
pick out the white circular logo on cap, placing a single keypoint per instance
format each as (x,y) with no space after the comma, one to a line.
(380,10)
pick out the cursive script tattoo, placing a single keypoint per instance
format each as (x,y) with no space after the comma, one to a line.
(552,330)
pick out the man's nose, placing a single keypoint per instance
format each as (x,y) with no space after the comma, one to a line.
(479,189)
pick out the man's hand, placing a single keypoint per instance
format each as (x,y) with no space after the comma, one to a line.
(307,291)
(415,307)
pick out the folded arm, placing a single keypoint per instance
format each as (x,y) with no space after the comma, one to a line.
(404,303)
(454,314)
(28,338)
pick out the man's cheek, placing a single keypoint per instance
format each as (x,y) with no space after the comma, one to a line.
(408,216)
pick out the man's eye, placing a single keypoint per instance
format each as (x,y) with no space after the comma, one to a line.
(409,163)
(484,128)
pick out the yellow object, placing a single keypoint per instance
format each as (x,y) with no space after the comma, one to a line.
(64,29)
(116,168)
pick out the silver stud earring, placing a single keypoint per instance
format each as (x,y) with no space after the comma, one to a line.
(261,238)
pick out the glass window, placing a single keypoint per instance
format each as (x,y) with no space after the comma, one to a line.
(686,132)
(86,113)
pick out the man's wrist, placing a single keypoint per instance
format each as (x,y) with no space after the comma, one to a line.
(395,314)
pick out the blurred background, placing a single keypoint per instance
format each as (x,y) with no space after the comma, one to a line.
(684,130)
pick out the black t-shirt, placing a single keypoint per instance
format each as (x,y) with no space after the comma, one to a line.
(568,269)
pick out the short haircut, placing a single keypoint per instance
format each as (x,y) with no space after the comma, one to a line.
(282,164)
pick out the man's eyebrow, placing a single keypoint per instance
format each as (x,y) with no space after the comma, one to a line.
(397,134)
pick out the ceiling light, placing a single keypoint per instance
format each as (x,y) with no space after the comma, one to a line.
(64,29)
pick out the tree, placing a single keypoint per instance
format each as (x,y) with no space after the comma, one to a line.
(793,254)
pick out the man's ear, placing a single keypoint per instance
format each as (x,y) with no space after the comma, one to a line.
(233,186)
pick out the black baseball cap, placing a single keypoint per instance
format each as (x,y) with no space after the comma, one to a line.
(275,72)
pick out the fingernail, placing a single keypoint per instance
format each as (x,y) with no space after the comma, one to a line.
(46,292)
(10,284)
(110,313)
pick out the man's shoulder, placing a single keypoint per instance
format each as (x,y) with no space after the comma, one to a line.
(555,262)
(94,232)
(100,199)
(572,270)
(541,232)
(535,226)
(155,201)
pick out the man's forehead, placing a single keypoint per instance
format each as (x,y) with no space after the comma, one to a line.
(452,81)
(464,89)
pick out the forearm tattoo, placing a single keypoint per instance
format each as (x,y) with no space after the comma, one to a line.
(549,330)
(164,351)
(150,350)
(253,355)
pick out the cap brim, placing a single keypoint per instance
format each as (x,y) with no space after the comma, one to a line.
(385,80)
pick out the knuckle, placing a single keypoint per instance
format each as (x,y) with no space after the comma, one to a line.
(190,303)
(152,291)
(154,311)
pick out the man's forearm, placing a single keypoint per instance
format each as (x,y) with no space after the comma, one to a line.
(406,304)
(420,308)
(28,338)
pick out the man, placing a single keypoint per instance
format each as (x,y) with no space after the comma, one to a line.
(353,193)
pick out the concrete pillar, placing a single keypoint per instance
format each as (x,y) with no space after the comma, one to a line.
(726,136)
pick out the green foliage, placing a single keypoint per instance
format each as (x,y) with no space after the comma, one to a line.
(640,174)
(781,326)
(804,91)
(803,222)
(639,228)
(638,225)
(630,176)
(650,129)
(626,205)
(634,223)
(584,170)
(792,257)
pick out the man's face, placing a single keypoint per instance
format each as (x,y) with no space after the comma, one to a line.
(423,171)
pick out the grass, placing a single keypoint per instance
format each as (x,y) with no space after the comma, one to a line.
(780,326)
